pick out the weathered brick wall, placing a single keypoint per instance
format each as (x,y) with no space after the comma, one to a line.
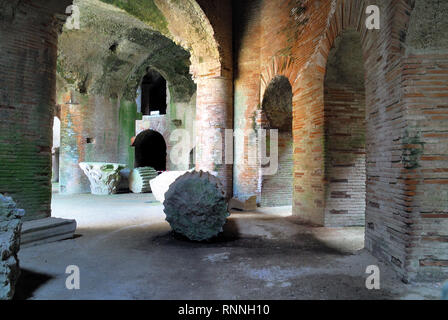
(345,157)
(276,189)
(214,115)
(247,38)
(405,90)
(89,133)
(296,39)
(28,50)
(99,129)
(345,149)
(425,177)
(214,99)
(387,232)
(276,176)
(425,142)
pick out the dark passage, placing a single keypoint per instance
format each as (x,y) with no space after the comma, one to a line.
(153,93)
(150,150)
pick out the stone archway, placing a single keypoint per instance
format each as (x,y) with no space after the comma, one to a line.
(276,189)
(345,133)
(36,67)
(150,150)
(387,222)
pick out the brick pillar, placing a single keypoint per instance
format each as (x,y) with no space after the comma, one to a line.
(247,41)
(28,46)
(214,114)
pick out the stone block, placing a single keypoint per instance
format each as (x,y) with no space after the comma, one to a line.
(10,227)
(139,179)
(47,230)
(104,177)
(243,205)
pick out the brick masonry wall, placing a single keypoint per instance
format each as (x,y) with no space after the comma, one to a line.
(387,232)
(345,130)
(425,176)
(405,88)
(247,38)
(214,115)
(214,99)
(345,157)
(276,190)
(425,140)
(402,227)
(28,46)
(276,114)
(89,133)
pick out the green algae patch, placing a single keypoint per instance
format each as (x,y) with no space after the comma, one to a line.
(145,10)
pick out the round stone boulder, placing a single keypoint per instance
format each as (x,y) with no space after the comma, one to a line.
(196,206)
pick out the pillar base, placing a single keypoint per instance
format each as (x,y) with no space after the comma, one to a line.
(46,230)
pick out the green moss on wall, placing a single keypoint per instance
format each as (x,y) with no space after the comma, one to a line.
(412,149)
(34,197)
(145,10)
(127,116)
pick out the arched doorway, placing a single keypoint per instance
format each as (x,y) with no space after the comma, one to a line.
(345,130)
(276,189)
(153,93)
(150,150)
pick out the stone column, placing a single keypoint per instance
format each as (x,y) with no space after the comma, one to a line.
(28,46)
(214,114)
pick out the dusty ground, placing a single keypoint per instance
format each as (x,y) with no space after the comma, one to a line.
(125,250)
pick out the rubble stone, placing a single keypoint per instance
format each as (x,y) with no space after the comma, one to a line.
(10,228)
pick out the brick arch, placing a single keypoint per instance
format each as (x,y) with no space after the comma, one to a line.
(305,69)
(349,14)
(308,101)
(341,187)
(276,189)
(202,26)
(192,25)
(388,219)
(278,66)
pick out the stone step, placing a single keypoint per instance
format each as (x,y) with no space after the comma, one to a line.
(46,230)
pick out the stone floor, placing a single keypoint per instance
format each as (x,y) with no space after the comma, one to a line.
(125,250)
